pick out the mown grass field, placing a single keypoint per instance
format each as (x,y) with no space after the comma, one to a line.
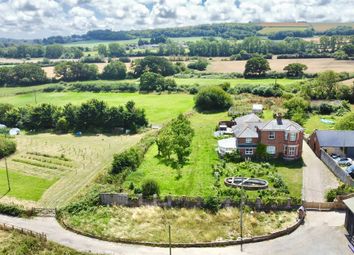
(39,157)
(314,122)
(24,187)
(196,177)
(158,108)
(187,225)
(274,29)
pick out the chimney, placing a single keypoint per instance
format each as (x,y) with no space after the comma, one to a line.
(279,118)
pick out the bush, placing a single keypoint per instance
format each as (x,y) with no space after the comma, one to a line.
(13,210)
(7,147)
(341,190)
(126,160)
(124,59)
(200,64)
(114,71)
(92,59)
(212,204)
(150,188)
(212,99)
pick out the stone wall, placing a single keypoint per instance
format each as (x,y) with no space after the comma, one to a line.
(336,170)
(188,202)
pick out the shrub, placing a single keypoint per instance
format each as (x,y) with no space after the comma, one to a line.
(115,70)
(212,204)
(124,59)
(12,210)
(234,157)
(7,147)
(212,99)
(200,64)
(128,159)
(149,188)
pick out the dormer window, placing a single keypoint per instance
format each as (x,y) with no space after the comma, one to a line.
(271,135)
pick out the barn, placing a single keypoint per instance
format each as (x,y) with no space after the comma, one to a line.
(340,142)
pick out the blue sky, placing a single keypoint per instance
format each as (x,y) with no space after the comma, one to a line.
(43,18)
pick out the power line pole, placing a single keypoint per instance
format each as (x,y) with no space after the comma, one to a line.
(169,238)
(7,175)
(241,217)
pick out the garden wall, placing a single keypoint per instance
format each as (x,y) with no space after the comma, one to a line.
(336,170)
(190,202)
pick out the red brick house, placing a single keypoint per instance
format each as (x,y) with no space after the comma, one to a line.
(282,137)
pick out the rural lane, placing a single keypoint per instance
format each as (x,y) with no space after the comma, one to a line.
(323,233)
(317,178)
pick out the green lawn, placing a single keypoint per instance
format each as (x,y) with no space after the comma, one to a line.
(23,186)
(314,122)
(197,178)
(234,82)
(159,108)
(291,171)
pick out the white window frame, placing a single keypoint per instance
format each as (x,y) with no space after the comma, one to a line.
(249,151)
(292,151)
(271,135)
(272,151)
(292,137)
(286,135)
(248,140)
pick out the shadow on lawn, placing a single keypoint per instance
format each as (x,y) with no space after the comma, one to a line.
(3,195)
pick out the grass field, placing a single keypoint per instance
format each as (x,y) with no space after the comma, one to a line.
(159,108)
(24,187)
(41,157)
(15,243)
(274,29)
(314,122)
(187,225)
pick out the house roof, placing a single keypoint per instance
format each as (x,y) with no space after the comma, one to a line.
(335,138)
(281,125)
(349,203)
(247,119)
(227,143)
(247,133)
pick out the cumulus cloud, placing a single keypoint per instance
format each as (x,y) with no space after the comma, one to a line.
(43,18)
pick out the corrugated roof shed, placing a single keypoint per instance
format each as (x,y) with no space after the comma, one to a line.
(349,203)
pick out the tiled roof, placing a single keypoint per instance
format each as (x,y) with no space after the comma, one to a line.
(281,125)
(247,119)
(335,138)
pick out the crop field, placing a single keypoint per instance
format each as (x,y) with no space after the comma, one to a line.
(320,27)
(314,65)
(60,165)
(158,108)
(274,29)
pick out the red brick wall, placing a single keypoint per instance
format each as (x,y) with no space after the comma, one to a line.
(314,145)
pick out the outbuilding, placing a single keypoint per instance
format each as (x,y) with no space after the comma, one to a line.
(349,215)
(257,108)
(340,142)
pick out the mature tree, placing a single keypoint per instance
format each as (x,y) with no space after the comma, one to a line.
(346,122)
(91,114)
(54,51)
(23,74)
(175,139)
(200,64)
(212,98)
(256,67)
(326,85)
(116,50)
(151,82)
(102,50)
(154,64)
(41,117)
(297,109)
(76,71)
(295,69)
(115,70)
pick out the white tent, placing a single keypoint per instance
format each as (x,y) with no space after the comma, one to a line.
(14,131)
(2,126)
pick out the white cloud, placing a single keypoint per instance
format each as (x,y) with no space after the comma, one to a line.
(43,18)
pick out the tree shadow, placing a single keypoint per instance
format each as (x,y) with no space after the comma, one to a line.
(173,163)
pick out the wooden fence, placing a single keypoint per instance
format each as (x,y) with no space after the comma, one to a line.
(9,227)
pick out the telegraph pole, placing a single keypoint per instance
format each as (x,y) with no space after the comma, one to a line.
(241,217)
(7,175)
(169,238)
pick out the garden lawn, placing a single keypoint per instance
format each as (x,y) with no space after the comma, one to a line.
(314,122)
(24,186)
(196,176)
(158,108)
(187,225)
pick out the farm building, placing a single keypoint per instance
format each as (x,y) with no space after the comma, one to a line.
(340,142)
(349,216)
(257,108)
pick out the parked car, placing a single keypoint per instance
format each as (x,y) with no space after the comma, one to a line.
(335,156)
(345,161)
(350,170)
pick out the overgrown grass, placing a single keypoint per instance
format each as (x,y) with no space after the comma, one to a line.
(24,186)
(15,243)
(187,225)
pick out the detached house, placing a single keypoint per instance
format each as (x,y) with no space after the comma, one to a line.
(282,137)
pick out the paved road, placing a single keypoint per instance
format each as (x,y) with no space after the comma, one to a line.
(322,233)
(317,178)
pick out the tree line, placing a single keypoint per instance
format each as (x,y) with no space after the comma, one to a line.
(92,116)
